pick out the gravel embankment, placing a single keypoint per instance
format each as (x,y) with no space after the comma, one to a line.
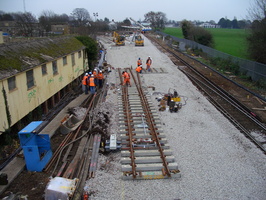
(216,160)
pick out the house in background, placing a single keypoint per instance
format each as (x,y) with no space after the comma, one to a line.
(60,29)
(209,25)
(36,74)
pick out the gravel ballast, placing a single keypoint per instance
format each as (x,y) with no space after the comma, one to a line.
(215,159)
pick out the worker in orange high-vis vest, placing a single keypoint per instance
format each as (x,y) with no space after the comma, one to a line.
(95,76)
(139,69)
(92,84)
(126,77)
(100,78)
(148,64)
(85,83)
(139,62)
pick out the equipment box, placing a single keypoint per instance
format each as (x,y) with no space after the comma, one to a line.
(36,147)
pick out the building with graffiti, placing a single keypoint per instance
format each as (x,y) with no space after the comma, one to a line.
(36,73)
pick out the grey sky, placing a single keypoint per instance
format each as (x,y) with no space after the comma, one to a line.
(203,10)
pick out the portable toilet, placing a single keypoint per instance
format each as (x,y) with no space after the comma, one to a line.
(36,147)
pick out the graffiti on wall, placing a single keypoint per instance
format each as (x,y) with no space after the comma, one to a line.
(77,70)
(51,80)
(31,95)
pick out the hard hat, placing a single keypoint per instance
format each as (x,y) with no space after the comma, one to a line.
(100,71)
(141,65)
(90,73)
(95,70)
(86,74)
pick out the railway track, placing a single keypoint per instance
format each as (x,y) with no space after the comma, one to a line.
(239,114)
(145,152)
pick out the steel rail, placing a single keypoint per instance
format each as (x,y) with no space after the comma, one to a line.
(224,111)
(151,124)
(220,92)
(223,94)
(210,68)
(10,158)
(95,155)
(55,155)
(228,98)
(61,151)
(126,107)
(251,114)
(82,174)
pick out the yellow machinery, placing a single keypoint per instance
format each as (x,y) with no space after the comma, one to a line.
(139,41)
(118,40)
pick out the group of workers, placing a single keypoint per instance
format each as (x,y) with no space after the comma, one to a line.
(91,80)
(126,75)
(148,65)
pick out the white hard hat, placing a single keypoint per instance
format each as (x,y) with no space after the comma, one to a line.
(101,71)
(86,74)
(92,75)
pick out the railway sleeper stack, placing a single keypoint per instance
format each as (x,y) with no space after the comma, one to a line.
(148,162)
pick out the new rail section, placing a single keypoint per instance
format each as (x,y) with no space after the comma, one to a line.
(143,143)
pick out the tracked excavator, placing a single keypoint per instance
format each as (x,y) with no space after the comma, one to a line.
(118,39)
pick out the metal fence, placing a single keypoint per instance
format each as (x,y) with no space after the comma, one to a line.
(257,71)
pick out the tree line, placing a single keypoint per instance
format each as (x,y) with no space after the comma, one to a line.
(28,25)
(81,22)
(236,24)
(256,38)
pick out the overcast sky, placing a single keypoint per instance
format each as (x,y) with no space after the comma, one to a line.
(203,10)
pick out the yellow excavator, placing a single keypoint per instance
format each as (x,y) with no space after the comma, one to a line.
(139,41)
(118,40)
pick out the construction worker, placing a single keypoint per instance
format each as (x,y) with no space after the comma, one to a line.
(88,80)
(126,77)
(100,78)
(85,83)
(139,62)
(139,69)
(95,75)
(148,64)
(92,84)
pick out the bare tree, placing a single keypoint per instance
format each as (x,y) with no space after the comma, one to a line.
(45,20)
(157,19)
(81,16)
(257,37)
(26,23)
(257,11)
(48,18)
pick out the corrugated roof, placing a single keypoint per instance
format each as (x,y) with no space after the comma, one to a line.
(20,56)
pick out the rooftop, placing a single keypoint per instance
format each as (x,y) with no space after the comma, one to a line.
(20,56)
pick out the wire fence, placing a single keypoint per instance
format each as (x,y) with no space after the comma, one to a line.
(255,70)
